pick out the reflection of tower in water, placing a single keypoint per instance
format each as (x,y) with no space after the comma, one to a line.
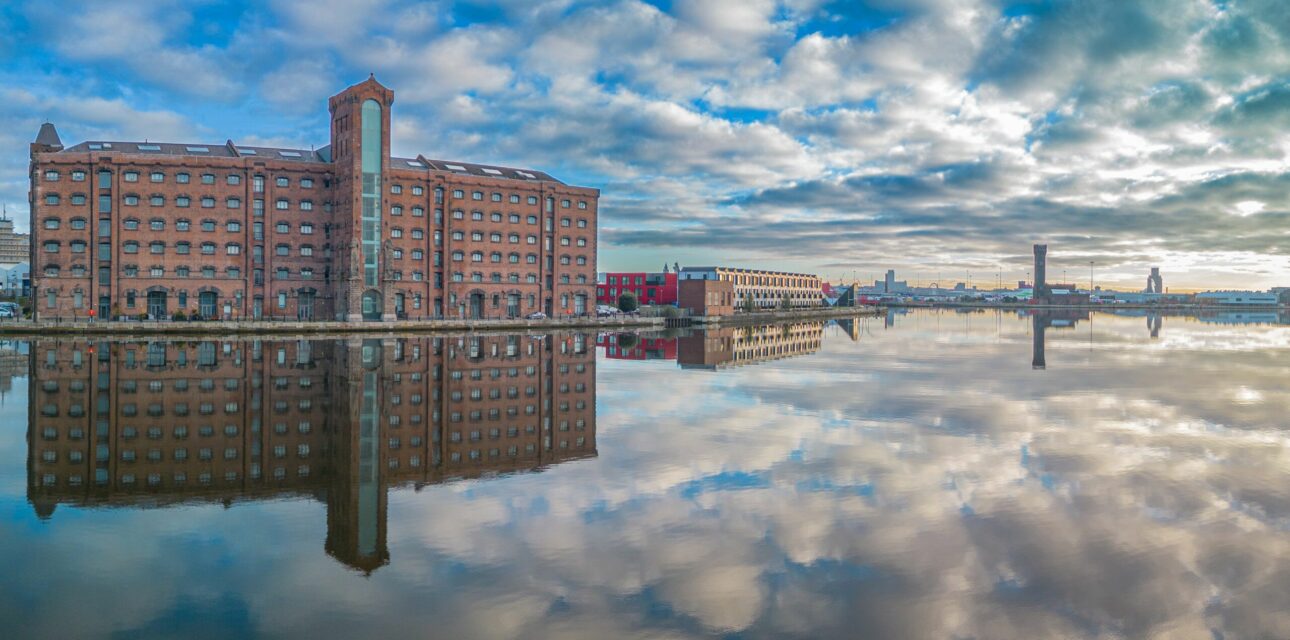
(1154,321)
(163,423)
(1041,322)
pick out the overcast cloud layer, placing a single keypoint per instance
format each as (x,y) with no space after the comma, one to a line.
(934,136)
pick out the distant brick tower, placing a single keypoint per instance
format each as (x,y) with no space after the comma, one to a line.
(360,144)
(1041,273)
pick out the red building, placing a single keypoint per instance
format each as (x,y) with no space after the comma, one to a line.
(650,288)
(639,349)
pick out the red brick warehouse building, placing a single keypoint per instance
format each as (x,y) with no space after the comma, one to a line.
(344,232)
(650,288)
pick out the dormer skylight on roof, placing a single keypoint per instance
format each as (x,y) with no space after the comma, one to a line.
(492,172)
(290,154)
(455,167)
(246,152)
(94,146)
(149,147)
(414,163)
(526,174)
(197,149)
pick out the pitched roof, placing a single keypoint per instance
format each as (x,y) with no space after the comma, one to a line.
(323,155)
(48,135)
(470,168)
(225,150)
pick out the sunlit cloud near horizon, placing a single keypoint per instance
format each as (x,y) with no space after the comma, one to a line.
(937,137)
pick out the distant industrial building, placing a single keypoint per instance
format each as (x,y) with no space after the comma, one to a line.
(1155,284)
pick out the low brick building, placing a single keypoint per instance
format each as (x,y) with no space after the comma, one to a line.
(346,232)
(707,297)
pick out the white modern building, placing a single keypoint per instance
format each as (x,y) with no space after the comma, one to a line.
(1238,298)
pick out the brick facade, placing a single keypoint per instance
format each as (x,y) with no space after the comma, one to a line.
(235,231)
(708,297)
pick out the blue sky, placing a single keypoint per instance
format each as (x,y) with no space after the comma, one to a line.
(937,137)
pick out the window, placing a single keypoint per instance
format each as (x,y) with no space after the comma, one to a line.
(417,254)
(566,222)
(208,178)
(208,202)
(157,224)
(564,204)
(477,256)
(208,248)
(182,178)
(130,224)
(183,248)
(418,234)
(477,195)
(532,200)
(457,256)
(208,225)
(306,205)
(234,179)
(157,271)
(78,198)
(306,229)
(282,227)
(396,210)
(183,224)
(233,249)
(156,247)
(282,204)
(130,247)
(306,250)
(233,203)
(133,200)
(157,200)
(306,183)
(130,176)
(51,199)
(282,250)
(183,201)
(51,223)
(157,176)
(396,189)
(396,232)
(582,204)
(51,246)
(283,181)
(582,223)
(181,272)
(233,226)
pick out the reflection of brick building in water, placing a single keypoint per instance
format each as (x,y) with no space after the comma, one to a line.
(642,347)
(128,424)
(734,346)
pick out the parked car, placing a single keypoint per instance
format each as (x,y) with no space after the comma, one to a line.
(536,315)
(10,310)
(604,310)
